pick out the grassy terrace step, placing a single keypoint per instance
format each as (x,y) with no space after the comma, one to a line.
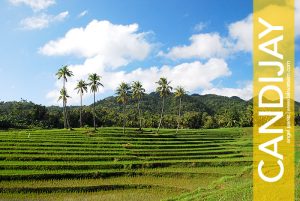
(111,158)
(182,138)
(178,183)
(177,152)
(62,152)
(80,188)
(107,162)
(107,141)
(104,173)
(96,165)
(20,175)
(116,145)
(79,135)
(119,132)
(65,175)
(58,157)
(111,141)
(108,150)
(197,171)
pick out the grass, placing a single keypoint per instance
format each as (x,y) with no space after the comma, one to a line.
(58,164)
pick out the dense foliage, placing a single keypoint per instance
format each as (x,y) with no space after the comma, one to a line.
(198,111)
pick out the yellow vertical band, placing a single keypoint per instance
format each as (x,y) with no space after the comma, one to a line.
(273,103)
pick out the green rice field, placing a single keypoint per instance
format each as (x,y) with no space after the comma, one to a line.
(214,164)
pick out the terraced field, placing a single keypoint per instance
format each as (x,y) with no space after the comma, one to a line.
(109,165)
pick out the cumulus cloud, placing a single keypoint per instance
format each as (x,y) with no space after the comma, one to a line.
(42,21)
(36,5)
(209,45)
(118,44)
(240,33)
(206,46)
(245,92)
(194,76)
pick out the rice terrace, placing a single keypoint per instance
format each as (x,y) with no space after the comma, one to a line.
(205,164)
(109,165)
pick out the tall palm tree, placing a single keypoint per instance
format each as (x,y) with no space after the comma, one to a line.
(179,93)
(164,89)
(81,87)
(138,92)
(124,93)
(63,73)
(63,95)
(94,84)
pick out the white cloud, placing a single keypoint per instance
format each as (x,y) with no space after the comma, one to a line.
(42,21)
(210,45)
(36,5)
(118,44)
(193,76)
(61,16)
(82,14)
(241,33)
(206,46)
(245,92)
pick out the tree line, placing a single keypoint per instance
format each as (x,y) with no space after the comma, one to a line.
(124,93)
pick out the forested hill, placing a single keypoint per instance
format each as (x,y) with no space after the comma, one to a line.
(198,111)
(211,104)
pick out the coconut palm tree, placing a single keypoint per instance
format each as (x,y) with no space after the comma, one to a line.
(63,73)
(81,87)
(138,92)
(94,84)
(164,89)
(179,93)
(124,93)
(63,95)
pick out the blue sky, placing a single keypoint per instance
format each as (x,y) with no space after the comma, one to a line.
(203,44)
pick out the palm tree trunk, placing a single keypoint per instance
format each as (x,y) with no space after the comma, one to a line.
(64,105)
(140,119)
(179,115)
(124,118)
(67,118)
(80,109)
(94,112)
(64,114)
(161,115)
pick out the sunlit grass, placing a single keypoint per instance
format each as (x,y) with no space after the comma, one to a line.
(109,165)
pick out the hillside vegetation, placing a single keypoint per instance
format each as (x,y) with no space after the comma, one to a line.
(198,111)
